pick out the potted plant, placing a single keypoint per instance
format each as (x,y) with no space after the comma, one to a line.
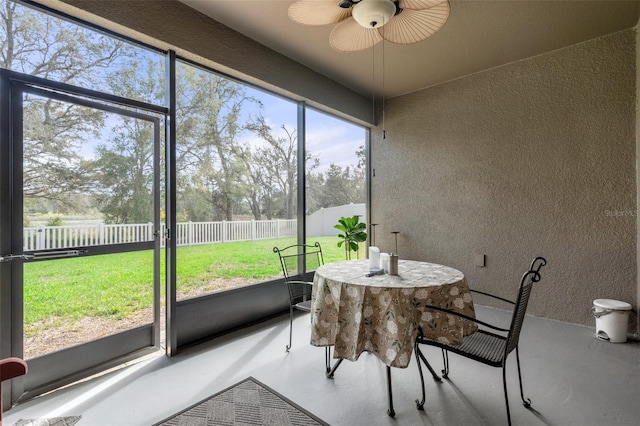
(352,232)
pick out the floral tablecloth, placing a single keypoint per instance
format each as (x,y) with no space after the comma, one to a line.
(381,314)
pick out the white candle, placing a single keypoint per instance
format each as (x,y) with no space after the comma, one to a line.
(384,262)
(374,258)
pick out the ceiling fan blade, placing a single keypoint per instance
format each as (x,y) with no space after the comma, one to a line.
(349,36)
(412,26)
(317,12)
(420,4)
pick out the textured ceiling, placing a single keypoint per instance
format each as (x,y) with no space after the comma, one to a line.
(478,35)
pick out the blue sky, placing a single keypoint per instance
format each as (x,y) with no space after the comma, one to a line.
(331,139)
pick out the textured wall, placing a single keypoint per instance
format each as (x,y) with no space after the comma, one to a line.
(638,161)
(532,158)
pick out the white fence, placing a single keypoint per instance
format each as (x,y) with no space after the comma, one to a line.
(321,221)
(187,233)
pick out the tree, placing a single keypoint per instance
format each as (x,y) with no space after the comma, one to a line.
(218,175)
(124,167)
(279,166)
(52,168)
(125,174)
(257,192)
(210,156)
(337,185)
(44,46)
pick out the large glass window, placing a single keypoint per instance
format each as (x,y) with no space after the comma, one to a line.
(43,45)
(336,181)
(87,181)
(88,174)
(236,181)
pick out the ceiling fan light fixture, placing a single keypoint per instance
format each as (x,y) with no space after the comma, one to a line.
(373,13)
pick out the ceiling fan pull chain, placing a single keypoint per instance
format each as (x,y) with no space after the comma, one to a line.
(373,84)
(384,131)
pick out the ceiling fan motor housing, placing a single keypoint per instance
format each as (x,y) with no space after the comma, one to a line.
(373,13)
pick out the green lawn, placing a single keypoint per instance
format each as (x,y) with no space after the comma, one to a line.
(118,285)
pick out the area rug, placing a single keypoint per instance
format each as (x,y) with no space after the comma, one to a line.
(53,421)
(248,402)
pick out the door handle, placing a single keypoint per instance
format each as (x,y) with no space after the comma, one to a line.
(12,257)
(56,254)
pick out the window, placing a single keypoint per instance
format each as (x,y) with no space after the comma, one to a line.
(89,173)
(236,179)
(336,180)
(87,178)
(46,46)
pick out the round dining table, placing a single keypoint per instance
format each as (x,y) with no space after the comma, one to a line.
(356,312)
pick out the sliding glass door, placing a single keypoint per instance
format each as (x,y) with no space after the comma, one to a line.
(84,219)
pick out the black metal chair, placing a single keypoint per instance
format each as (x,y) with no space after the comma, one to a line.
(294,259)
(485,346)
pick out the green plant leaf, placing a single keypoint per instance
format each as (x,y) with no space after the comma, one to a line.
(352,233)
(360,237)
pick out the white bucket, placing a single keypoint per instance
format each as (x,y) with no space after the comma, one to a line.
(612,319)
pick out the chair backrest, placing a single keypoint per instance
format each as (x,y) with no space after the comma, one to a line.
(12,367)
(9,369)
(520,309)
(295,257)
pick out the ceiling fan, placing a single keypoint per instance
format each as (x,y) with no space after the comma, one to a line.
(363,23)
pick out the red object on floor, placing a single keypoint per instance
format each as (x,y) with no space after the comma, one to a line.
(10,368)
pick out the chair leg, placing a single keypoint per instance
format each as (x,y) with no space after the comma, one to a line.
(420,403)
(506,396)
(290,327)
(420,356)
(445,361)
(431,370)
(391,412)
(525,401)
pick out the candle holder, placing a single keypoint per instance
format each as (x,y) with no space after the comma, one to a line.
(395,233)
(373,233)
(393,258)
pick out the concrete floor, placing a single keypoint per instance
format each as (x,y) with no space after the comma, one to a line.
(571,377)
